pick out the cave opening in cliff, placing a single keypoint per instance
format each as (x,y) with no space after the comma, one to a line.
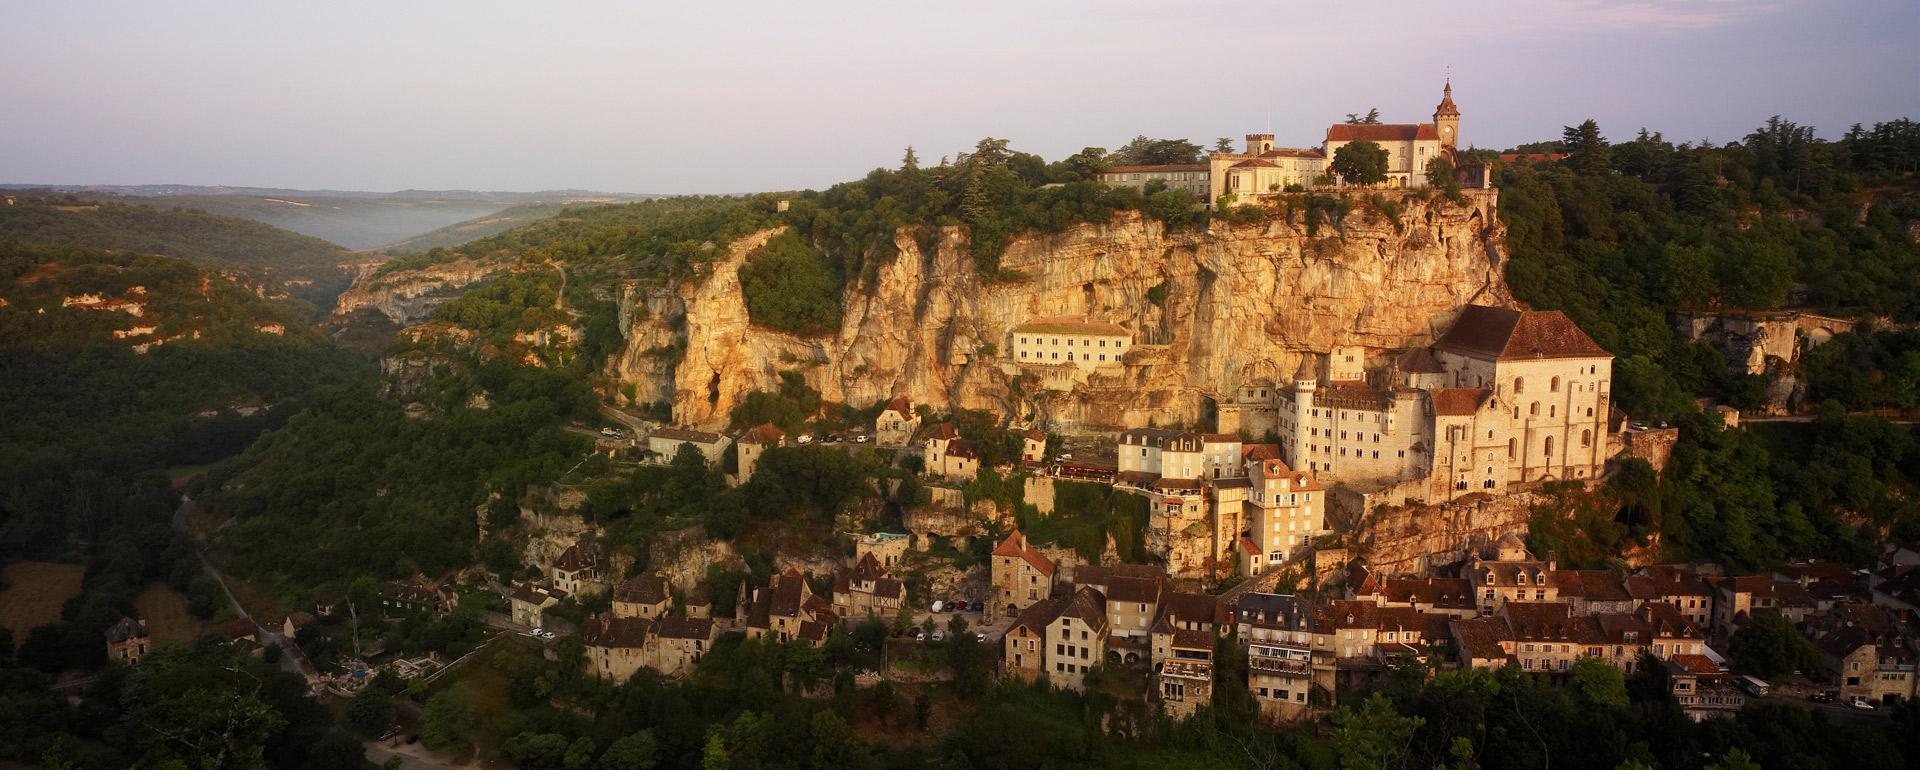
(713,390)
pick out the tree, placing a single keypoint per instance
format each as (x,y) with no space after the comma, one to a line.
(1144,151)
(1599,683)
(1586,148)
(446,721)
(1371,118)
(1768,645)
(579,753)
(1735,759)
(634,752)
(1223,144)
(1440,175)
(911,162)
(715,756)
(370,711)
(1373,737)
(1361,162)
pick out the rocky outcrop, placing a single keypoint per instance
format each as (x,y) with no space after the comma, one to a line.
(1410,540)
(1240,303)
(409,296)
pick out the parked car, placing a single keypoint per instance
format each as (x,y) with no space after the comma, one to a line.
(548,635)
(535,633)
(862,439)
(919,635)
(939,635)
(804,438)
(980,636)
(1822,697)
(938,606)
(1861,703)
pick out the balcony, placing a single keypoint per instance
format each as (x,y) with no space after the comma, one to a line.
(1281,666)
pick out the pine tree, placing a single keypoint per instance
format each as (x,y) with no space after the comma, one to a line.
(1586,148)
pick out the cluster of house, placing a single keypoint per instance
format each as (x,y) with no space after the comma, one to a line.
(1504,400)
(644,630)
(1263,170)
(1505,607)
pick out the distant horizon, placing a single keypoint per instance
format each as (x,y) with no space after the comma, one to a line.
(492,96)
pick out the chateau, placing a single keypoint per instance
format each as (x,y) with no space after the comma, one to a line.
(1504,397)
(1263,169)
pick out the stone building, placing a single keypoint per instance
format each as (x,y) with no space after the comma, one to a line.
(756,441)
(663,443)
(1024,646)
(1409,146)
(1504,398)
(618,647)
(1280,635)
(1080,343)
(787,610)
(642,596)
(1021,576)
(1184,681)
(128,641)
(1191,177)
(948,455)
(1076,640)
(577,571)
(1509,573)
(1285,509)
(896,424)
(867,590)
(529,602)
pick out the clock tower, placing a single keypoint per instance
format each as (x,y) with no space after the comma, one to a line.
(1446,119)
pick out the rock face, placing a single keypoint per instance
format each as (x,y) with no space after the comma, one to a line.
(1410,540)
(1239,303)
(409,296)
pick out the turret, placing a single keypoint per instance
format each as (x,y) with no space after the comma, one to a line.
(1304,383)
(1446,118)
(1259,143)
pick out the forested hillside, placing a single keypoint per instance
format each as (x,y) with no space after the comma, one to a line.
(264,256)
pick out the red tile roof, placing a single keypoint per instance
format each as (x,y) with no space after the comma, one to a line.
(1457,402)
(764,433)
(1016,546)
(1516,334)
(1382,132)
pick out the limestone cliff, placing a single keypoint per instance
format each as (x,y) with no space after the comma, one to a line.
(1241,303)
(409,296)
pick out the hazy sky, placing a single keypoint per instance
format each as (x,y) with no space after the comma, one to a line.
(654,96)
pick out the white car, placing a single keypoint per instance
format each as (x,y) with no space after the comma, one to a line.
(1860,703)
(862,439)
(805,438)
(536,632)
(547,635)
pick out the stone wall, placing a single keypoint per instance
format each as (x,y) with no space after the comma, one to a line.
(1655,445)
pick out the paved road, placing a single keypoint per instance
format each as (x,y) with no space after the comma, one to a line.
(291,659)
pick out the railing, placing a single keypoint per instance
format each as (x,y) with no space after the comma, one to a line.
(1279,665)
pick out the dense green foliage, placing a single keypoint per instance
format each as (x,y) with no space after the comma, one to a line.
(1085,515)
(1361,162)
(790,286)
(262,252)
(1620,234)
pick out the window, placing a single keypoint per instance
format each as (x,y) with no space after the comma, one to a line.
(1586,438)
(1548,446)
(1554,386)
(1519,385)
(1533,410)
(1512,447)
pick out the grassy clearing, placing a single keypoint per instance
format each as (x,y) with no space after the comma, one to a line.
(166,613)
(34,594)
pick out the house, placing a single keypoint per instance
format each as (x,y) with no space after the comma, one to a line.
(1285,510)
(678,644)
(1076,640)
(1033,447)
(241,633)
(1024,646)
(1703,689)
(1675,584)
(642,596)
(128,641)
(1280,635)
(787,610)
(1511,574)
(1021,576)
(1131,593)
(1184,681)
(699,601)
(577,571)
(290,628)
(529,602)
(1187,613)
(616,647)
(416,595)
(948,455)
(663,443)
(888,548)
(1869,650)
(1453,597)
(752,443)
(867,590)
(1592,592)
(896,424)
(1669,632)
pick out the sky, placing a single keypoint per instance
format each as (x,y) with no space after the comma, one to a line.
(707,97)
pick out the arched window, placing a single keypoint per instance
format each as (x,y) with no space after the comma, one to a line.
(1553,410)
(1548,446)
(1533,409)
(1586,438)
(1519,385)
(1554,385)
(1589,411)
(1513,446)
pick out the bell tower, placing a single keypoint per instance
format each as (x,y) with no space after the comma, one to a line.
(1446,118)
